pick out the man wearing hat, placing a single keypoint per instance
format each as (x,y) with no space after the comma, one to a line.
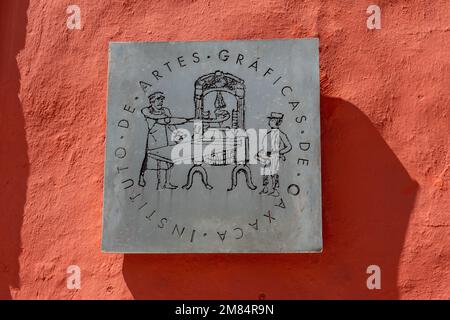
(160,126)
(275,145)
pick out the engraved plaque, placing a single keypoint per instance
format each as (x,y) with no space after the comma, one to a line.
(213,147)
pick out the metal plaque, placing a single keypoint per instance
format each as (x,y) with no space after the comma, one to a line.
(213,147)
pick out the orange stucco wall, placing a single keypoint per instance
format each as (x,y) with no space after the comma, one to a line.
(385,139)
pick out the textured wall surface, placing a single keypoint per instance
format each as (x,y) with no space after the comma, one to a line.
(385,139)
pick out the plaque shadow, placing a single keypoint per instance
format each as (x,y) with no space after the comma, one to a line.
(14,164)
(367,198)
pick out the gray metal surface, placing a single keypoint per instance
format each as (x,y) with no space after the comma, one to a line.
(152,204)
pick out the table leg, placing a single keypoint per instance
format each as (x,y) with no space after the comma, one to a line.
(190,177)
(248,176)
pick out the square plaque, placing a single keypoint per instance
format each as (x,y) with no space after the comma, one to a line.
(213,147)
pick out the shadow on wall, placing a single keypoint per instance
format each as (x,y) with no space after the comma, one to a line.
(14,166)
(367,200)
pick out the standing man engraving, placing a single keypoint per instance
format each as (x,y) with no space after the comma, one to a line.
(159,124)
(276,144)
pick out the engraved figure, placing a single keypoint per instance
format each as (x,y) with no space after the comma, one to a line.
(159,124)
(276,141)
